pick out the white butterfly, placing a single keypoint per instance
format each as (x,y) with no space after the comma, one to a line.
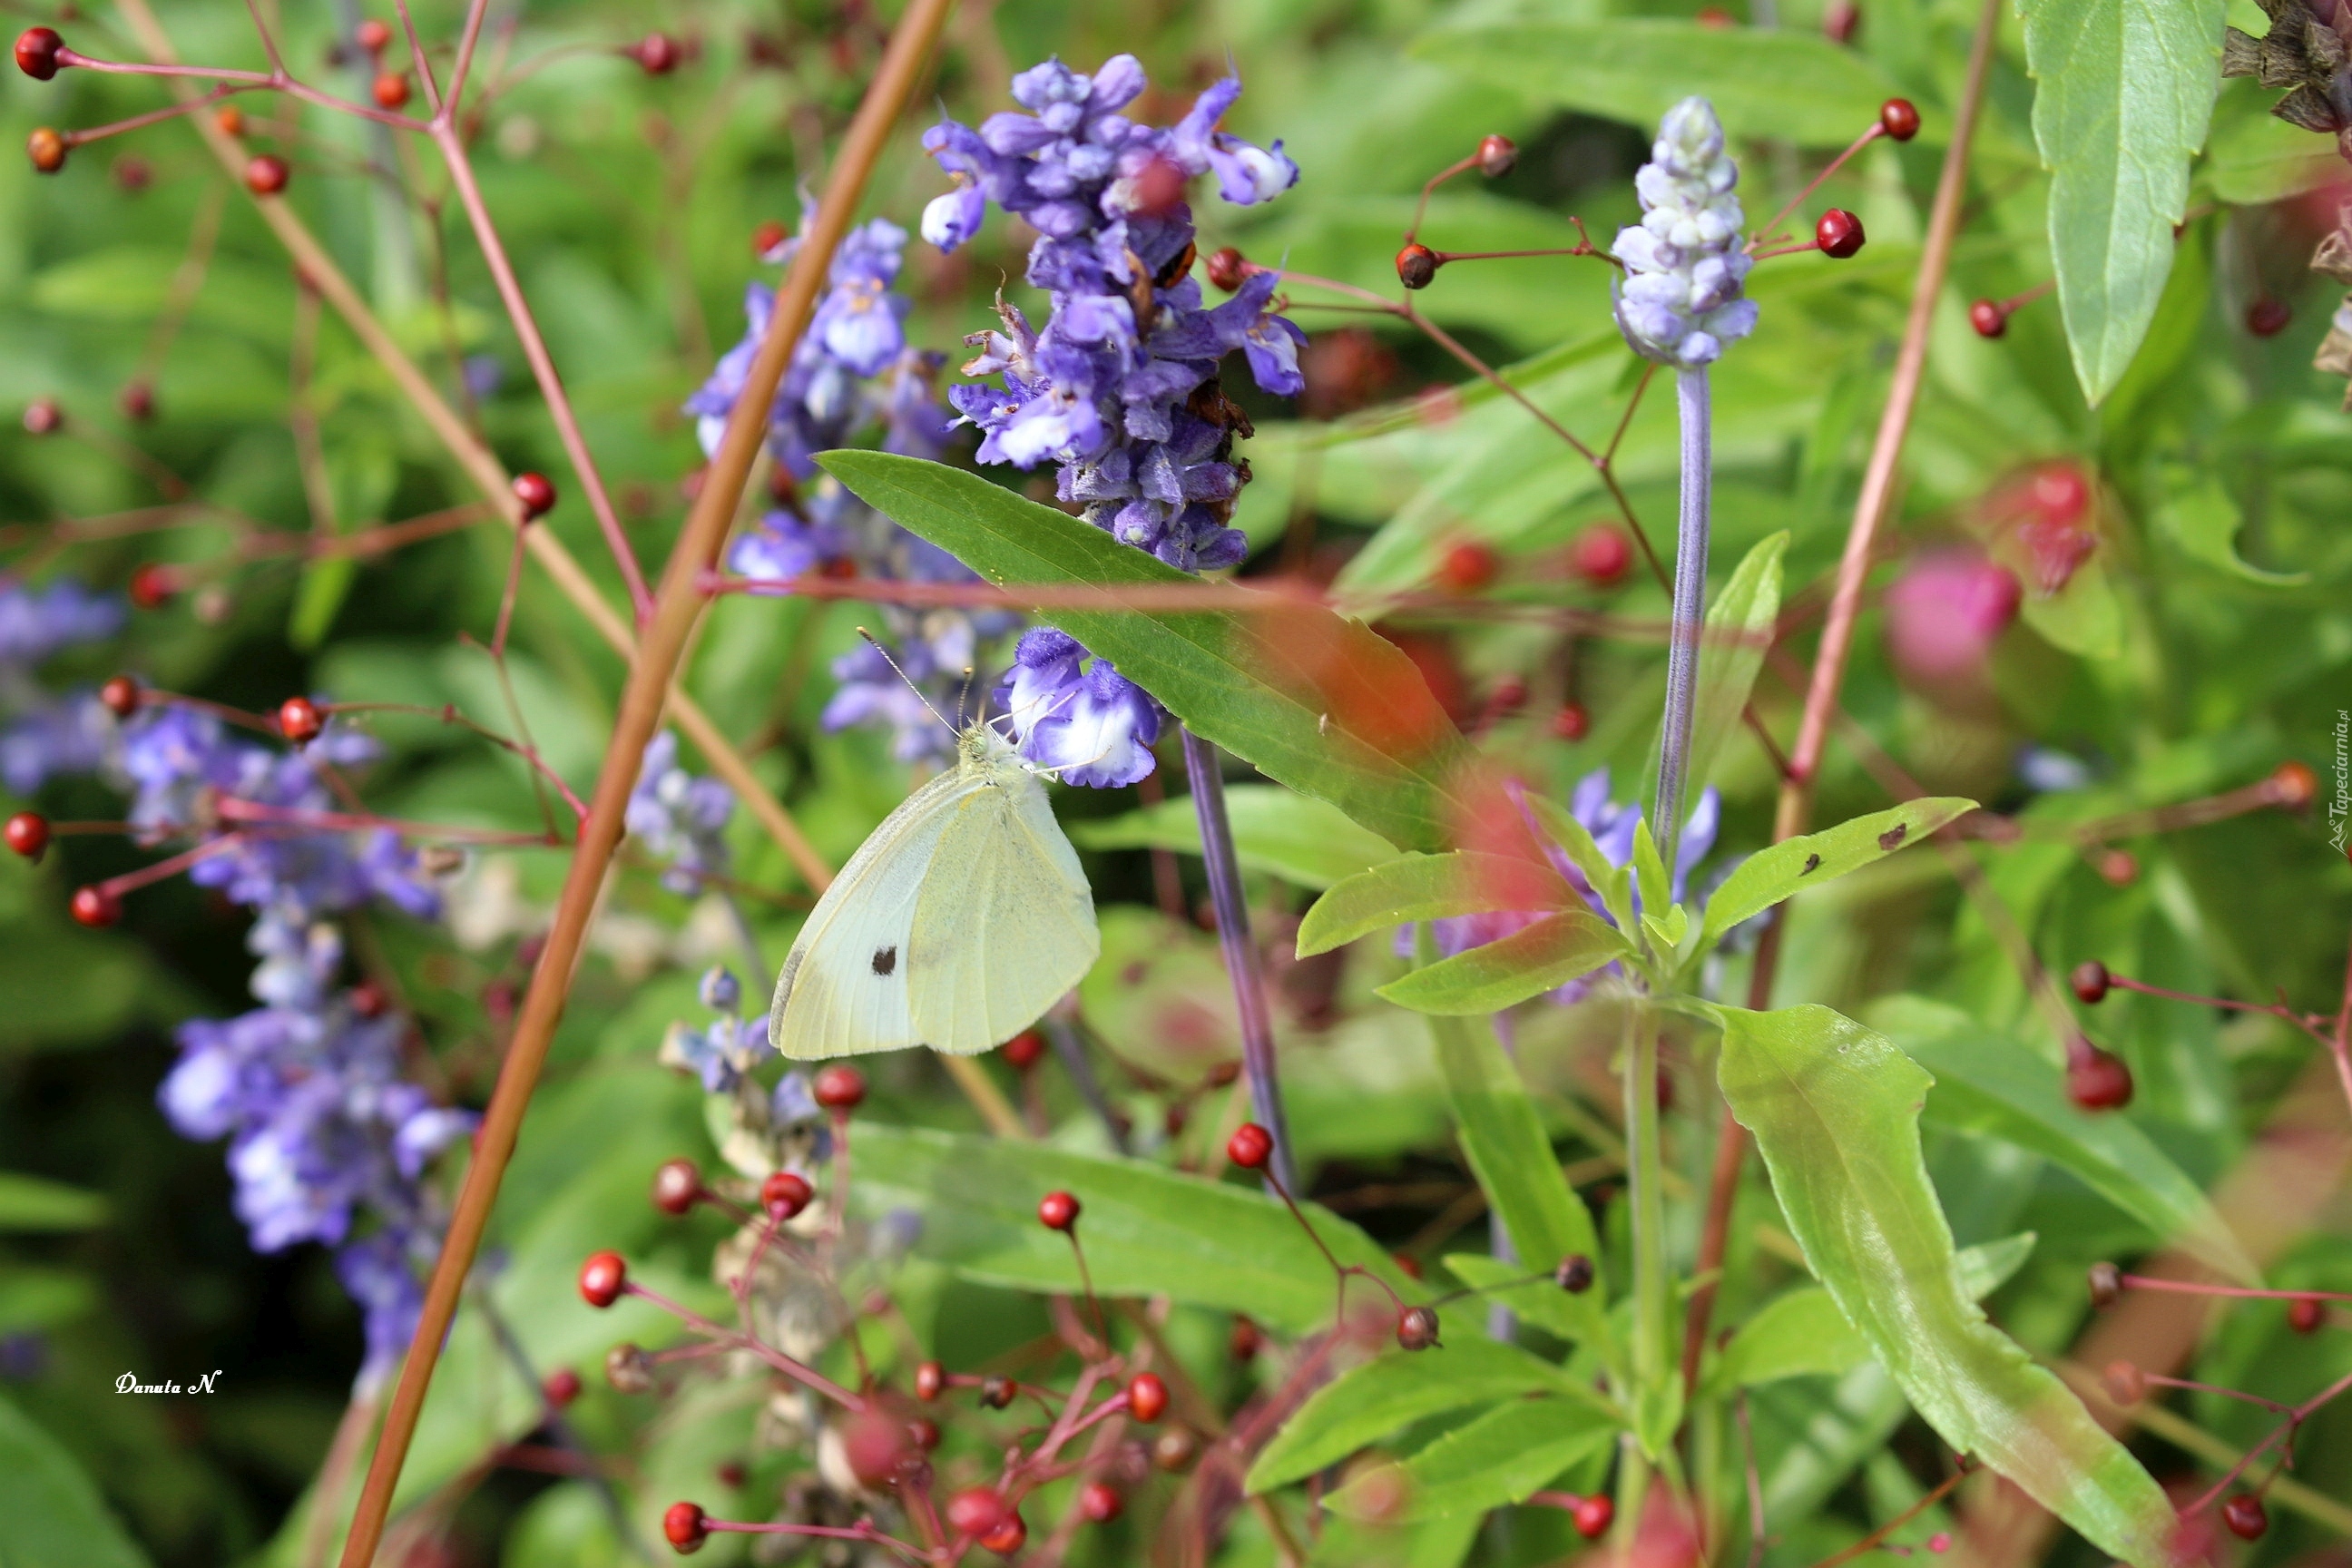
(955,926)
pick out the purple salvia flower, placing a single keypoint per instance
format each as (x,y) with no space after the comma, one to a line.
(1680,303)
(679,816)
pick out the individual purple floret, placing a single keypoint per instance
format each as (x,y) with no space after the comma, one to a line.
(1081,718)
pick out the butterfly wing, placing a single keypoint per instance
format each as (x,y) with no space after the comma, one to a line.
(1005,925)
(843,991)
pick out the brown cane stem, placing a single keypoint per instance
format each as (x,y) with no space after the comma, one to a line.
(677,607)
(1870,512)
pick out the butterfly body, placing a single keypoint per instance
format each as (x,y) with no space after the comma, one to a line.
(955,925)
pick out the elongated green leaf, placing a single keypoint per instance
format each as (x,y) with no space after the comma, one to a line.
(1311,700)
(1615,884)
(1802,1333)
(1512,1159)
(1511,1451)
(2123,92)
(1988,1083)
(1391,1392)
(1738,634)
(1767,877)
(1790,84)
(1835,1110)
(1148,1231)
(1291,835)
(35,1202)
(1427,888)
(1554,951)
(51,1516)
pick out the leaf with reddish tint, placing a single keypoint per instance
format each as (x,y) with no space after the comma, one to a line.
(1431,887)
(1311,700)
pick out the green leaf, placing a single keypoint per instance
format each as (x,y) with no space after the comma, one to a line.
(1323,704)
(2197,510)
(1767,877)
(1650,870)
(1502,1457)
(1426,888)
(1739,628)
(1835,1110)
(1432,1543)
(1789,84)
(2084,617)
(2254,158)
(1394,1390)
(1614,883)
(1293,837)
(1801,1332)
(55,1517)
(2124,91)
(1989,1084)
(35,1202)
(32,1296)
(1549,953)
(1148,1231)
(1504,1138)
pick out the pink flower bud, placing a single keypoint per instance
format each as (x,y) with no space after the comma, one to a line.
(1944,614)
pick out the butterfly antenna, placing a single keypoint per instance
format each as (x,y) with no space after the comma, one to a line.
(961,696)
(876,644)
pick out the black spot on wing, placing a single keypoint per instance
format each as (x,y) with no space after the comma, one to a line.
(886,959)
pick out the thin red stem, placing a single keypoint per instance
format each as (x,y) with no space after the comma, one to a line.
(1864,139)
(807,1376)
(2241,1292)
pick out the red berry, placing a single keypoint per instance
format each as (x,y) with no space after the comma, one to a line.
(677,1186)
(601,1279)
(767,236)
(1987,318)
(1100,1501)
(28,833)
(133,174)
(230,119)
(1010,1534)
(536,494)
(2106,1284)
(300,721)
(150,587)
(137,401)
(1228,269)
(37,52)
(1899,118)
(559,1387)
(1147,1397)
(1057,1211)
(1416,264)
(1592,1516)
(1496,156)
(1417,1328)
(2245,1516)
(1250,1146)
(840,1088)
(44,417)
(373,36)
(2090,980)
(1244,1340)
(2098,1079)
(684,1527)
(1714,17)
(785,1193)
(47,148)
(1574,1274)
(998,1391)
(368,999)
(1024,1049)
(2127,1383)
(2294,783)
(1571,723)
(391,90)
(658,53)
(975,1511)
(121,696)
(1840,19)
(1601,556)
(266,175)
(923,1434)
(1467,567)
(2267,317)
(96,906)
(1838,234)
(2304,1314)
(931,1381)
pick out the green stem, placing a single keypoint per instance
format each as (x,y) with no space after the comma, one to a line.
(1652,1366)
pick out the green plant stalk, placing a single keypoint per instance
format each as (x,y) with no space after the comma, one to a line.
(1653,1359)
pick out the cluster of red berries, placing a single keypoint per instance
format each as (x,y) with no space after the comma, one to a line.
(389,89)
(39,54)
